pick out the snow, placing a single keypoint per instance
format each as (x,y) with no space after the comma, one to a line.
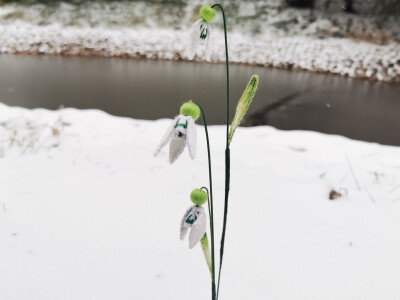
(264,34)
(89,213)
(336,56)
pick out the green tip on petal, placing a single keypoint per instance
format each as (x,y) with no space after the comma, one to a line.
(207,13)
(190,109)
(198,197)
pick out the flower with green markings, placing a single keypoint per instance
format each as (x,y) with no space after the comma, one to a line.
(200,32)
(195,218)
(181,132)
(243,105)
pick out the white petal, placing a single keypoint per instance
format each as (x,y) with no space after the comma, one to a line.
(191,137)
(194,39)
(198,229)
(176,146)
(184,229)
(208,44)
(167,136)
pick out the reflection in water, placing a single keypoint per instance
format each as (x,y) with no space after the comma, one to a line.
(155,89)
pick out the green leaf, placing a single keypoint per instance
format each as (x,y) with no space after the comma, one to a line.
(243,105)
(206,251)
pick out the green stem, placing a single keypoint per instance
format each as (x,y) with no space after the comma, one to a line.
(227,72)
(210,207)
(227,151)
(208,202)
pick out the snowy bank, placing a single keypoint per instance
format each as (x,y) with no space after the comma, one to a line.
(260,33)
(337,56)
(91,214)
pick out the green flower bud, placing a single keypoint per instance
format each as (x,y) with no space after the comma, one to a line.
(198,197)
(243,105)
(207,13)
(190,109)
(206,251)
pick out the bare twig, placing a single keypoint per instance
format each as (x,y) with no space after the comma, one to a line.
(31,136)
(377,177)
(395,188)
(352,173)
(344,177)
(369,195)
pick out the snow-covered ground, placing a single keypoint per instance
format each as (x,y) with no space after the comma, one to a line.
(87,212)
(337,56)
(260,34)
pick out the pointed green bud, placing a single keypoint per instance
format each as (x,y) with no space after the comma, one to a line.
(207,13)
(190,109)
(206,251)
(198,197)
(243,105)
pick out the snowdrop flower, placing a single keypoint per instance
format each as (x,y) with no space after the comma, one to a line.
(195,219)
(181,132)
(201,31)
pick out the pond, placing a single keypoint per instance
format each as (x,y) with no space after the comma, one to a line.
(155,89)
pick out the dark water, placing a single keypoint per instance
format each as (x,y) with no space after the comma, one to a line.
(155,89)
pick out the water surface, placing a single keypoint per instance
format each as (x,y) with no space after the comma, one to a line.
(354,108)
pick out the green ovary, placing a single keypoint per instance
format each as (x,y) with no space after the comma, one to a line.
(207,13)
(198,197)
(190,109)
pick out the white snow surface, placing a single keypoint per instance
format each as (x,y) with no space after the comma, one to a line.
(89,213)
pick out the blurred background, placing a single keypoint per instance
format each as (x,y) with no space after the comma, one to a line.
(325,65)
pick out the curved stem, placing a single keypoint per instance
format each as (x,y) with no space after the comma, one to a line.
(208,202)
(227,151)
(210,207)
(227,72)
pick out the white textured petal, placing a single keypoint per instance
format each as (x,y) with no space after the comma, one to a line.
(184,229)
(208,48)
(194,39)
(167,136)
(176,146)
(198,229)
(191,137)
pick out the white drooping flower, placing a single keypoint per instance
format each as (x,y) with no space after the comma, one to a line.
(195,220)
(180,133)
(200,33)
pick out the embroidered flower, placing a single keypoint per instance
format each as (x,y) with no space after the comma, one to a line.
(181,132)
(195,219)
(200,32)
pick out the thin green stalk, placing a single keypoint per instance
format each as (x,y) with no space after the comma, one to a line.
(227,72)
(227,151)
(210,207)
(208,202)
